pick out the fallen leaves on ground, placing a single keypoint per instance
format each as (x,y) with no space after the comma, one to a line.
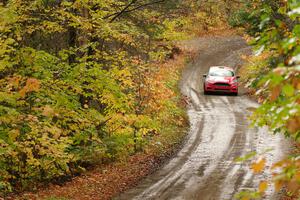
(102,182)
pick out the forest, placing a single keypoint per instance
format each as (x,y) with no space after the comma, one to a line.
(85,82)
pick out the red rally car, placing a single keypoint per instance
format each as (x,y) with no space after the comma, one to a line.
(221,79)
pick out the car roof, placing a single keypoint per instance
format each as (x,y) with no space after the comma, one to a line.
(220,67)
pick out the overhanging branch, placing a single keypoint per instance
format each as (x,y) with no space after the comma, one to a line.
(127,9)
(123,10)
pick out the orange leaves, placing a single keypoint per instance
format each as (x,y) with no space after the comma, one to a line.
(275,92)
(32,118)
(297,176)
(22,85)
(263,186)
(280,164)
(288,176)
(48,111)
(278,185)
(293,124)
(245,198)
(14,82)
(293,187)
(32,85)
(283,81)
(157,86)
(296,82)
(258,167)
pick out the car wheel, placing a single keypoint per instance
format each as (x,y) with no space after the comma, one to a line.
(235,94)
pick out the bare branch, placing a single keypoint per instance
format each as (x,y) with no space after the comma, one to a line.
(123,10)
(127,10)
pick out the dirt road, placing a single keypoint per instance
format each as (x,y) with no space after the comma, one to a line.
(205,169)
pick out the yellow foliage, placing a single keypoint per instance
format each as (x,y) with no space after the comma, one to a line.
(47,111)
(258,167)
(32,85)
(263,186)
(13,134)
(245,198)
(278,185)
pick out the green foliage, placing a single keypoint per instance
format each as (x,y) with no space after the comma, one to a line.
(75,83)
(238,18)
(246,157)
(277,42)
(210,15)
(279,36)
(274,72)
(247,195)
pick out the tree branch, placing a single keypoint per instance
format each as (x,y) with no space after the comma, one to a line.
(122,11)
(127,10)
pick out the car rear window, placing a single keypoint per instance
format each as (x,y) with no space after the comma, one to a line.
(221,72)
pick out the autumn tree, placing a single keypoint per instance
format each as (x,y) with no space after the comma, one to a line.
(71,75)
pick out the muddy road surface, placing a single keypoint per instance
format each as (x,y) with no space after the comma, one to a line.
(204,168)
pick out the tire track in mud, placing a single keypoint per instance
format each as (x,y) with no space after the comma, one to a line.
(224,166)
(205,169)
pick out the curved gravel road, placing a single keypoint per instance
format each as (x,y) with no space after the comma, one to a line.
(205,168)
